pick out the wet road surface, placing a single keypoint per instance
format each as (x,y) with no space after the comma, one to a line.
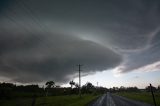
(114,100)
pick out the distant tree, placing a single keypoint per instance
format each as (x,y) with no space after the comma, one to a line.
(57,86)
(89,85)
(7,85)
(122,88)
(114,89)
(72,83)
(6,90)
(50,84)
(158,88)
(132,89)
(76,85)
(88,88)
(148,89)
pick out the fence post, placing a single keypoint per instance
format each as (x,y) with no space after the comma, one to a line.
(152,95)
(34,100)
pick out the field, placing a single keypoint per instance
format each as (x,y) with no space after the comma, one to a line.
(69,100)
(141,96)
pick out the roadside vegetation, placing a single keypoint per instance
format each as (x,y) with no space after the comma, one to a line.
(143,95)
(50,95)
(69,100)
(66,100)
(54,95)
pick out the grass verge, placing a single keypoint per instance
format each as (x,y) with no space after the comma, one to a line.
(141,96)
(67,100)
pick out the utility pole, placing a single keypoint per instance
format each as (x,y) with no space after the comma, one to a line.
(79,67)
(152,95)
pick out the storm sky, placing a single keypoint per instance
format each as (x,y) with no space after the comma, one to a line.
(43,40)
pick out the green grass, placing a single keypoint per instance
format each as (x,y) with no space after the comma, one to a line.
(16,102)
(141,96)
(69,100)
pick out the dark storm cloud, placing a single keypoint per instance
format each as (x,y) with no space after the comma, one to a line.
(26,59)
(44,40)
(145,57)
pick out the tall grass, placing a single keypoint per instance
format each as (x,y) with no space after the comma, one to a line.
(142,96)
(67,100)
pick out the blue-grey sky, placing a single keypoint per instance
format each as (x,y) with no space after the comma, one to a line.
(43,40)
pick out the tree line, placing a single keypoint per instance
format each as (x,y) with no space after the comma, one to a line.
(10,90)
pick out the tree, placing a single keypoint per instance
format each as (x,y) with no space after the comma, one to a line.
(88,88)
(50,84)
(57,86)
(148,88)
(76,85)
(158,88)
(72,83)
(122,88)
(89,85)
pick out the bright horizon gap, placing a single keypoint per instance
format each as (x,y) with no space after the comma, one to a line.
(110,81)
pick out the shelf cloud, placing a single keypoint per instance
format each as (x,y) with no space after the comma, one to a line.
(45,40)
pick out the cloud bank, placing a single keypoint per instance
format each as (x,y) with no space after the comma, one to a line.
(28,58)
(45,40)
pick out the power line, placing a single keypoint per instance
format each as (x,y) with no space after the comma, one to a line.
(32,15)
(13,16)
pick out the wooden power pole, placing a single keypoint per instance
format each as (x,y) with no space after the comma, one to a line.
(79,69)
